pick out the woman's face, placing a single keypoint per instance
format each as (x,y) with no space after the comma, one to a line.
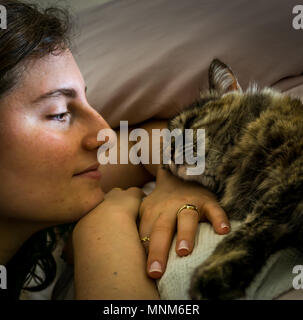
(48,136)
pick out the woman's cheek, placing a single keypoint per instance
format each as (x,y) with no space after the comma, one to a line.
(38,164)
(53,149)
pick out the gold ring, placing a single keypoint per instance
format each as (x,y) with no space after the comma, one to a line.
(146,238)
(191,207)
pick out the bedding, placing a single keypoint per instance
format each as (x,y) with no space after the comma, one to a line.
(274,279)
(149,59)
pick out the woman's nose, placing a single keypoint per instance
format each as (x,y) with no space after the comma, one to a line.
(95,124)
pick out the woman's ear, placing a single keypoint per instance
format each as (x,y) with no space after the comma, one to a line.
(221,78)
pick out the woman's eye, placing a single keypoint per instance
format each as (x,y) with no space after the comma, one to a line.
(61,117)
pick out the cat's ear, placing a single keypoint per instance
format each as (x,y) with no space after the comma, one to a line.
(221,78)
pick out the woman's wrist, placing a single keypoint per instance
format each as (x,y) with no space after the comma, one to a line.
(110,260)
(95,223)
(168,181)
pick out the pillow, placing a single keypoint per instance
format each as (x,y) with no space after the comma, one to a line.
(144,59)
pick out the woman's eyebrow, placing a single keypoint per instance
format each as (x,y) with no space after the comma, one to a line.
(65,92)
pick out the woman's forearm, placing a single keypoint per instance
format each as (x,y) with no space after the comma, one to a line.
(110,262)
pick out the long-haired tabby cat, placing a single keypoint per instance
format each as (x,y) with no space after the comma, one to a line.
(254,163)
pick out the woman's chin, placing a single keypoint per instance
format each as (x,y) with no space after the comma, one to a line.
(93,203)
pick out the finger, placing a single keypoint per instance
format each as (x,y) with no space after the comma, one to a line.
(217,216)
(187,224)
(111,193)
(145,242)
(115,190)
(146,224)
(135,191)
(160,242)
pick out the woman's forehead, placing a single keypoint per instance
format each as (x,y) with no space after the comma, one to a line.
(49,73)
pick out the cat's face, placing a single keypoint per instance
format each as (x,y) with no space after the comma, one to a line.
(221,112)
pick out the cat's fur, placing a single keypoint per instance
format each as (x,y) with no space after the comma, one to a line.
(254,163)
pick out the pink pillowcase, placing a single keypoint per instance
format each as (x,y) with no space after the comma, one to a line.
(144,59)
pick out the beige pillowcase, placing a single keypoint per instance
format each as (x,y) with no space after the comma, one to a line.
(144,59)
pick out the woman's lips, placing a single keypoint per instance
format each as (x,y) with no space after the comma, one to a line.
(91,172)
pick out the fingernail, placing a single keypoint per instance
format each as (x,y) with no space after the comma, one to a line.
(224,226)
(183,245)
(155,267)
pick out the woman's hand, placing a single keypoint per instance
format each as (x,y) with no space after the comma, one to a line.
(159,219)
(126,201)
(117,201)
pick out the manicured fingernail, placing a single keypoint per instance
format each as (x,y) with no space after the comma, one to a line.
(155,267)
(224,226)
(183,246)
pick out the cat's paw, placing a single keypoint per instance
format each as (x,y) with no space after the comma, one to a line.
(214,283)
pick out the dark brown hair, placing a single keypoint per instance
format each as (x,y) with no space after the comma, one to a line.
(31,33)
